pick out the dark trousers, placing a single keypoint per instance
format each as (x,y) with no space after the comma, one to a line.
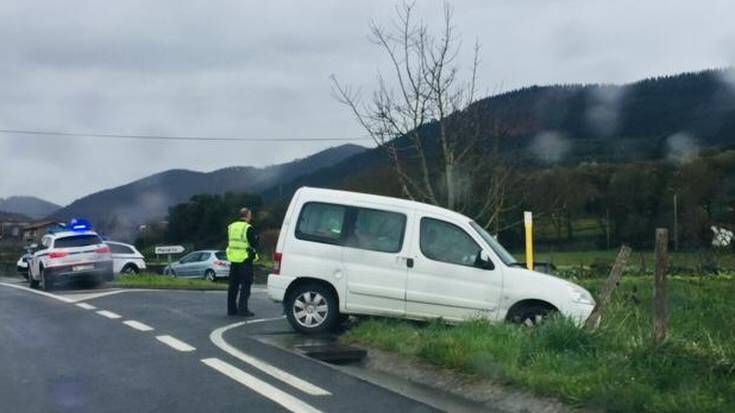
(241,278)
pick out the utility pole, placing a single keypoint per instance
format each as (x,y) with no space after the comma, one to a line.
(676,224)
(607,227)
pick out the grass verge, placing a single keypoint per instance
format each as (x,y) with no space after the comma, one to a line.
(166,282)
(616,368)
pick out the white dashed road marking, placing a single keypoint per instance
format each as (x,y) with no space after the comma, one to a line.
(108,314)
(303,385)
(284,399)
(175,343)
(138,325)
(86,306)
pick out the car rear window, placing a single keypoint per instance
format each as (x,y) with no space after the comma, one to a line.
(77,241)
(221,255)
(120,249)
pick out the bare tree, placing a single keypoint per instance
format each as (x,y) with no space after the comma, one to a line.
(428,122)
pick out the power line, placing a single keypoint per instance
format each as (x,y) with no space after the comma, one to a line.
(180,138)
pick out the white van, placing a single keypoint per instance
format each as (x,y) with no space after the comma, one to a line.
(342,253)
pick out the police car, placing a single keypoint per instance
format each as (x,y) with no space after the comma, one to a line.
(70,252)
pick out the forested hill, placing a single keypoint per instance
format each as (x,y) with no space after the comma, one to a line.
(567,124)
(643,114)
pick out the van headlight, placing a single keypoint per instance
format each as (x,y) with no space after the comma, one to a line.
(581,296)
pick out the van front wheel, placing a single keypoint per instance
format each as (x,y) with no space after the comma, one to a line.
(312,309)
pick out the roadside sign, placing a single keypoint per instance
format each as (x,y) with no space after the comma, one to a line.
(169,249)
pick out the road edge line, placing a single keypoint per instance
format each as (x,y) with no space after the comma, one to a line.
(216,338)
(261,387)
(43,293)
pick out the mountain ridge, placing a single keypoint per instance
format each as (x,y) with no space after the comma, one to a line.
(128,205)
(29,206)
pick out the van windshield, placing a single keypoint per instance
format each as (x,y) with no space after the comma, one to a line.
(500,251)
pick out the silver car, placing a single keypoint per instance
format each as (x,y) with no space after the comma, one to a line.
(207,264)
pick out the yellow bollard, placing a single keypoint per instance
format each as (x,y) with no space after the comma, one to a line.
(528,223)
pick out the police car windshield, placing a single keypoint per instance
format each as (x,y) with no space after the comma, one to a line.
(504,255)
(77,241)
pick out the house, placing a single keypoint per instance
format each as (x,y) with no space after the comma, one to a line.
(33,232)
(12,230)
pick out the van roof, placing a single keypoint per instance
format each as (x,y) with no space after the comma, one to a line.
(349,196)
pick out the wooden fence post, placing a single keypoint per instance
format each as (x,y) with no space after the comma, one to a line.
(659,285)
(612,280)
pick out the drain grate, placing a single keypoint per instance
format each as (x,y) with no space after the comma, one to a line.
(333,353)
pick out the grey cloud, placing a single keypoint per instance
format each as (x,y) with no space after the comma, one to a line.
(260,69)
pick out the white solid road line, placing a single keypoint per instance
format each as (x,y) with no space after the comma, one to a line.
(303,385)
(108,314)
(86,306)
(44,293)
(175,343)
(284,399)
(138,325)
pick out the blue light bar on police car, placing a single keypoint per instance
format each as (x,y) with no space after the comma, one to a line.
(80,225)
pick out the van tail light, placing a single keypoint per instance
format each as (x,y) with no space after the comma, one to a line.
(57,254)
(103,250)
(277,257)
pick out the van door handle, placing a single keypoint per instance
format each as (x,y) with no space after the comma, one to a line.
(409,262)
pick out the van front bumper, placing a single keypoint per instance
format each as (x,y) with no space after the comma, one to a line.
(277,285)
(578,312)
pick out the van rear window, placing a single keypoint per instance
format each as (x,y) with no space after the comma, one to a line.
(77,241)
(321,222)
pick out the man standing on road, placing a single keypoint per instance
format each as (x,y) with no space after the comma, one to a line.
(241,252)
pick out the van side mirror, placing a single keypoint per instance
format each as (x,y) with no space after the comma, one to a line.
(483,261)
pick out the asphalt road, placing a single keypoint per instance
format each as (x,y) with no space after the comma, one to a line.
(151,351)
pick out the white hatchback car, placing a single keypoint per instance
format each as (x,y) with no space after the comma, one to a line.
(342,253)
(126,259)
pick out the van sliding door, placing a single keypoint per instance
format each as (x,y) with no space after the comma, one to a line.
(374,261)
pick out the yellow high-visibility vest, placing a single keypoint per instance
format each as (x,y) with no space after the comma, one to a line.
(237,245)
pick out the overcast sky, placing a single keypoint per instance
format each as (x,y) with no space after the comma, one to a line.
(261,69)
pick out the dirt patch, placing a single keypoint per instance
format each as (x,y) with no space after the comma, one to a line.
(493,395)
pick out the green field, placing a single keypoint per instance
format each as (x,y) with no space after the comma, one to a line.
(638,259)
(166,282)
(617,368)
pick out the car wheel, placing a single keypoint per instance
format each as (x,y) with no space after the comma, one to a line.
(47,284)
(209,275)
(531,315)
(312,309)
(130,269)
(170,272)
(33,283)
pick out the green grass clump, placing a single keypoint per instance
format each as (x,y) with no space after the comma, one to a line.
(166,282)
(616,368)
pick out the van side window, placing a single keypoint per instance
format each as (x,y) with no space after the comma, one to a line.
(321,222)
(377,230)
(445,242)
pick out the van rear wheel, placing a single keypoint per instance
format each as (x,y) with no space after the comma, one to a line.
(312,309)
